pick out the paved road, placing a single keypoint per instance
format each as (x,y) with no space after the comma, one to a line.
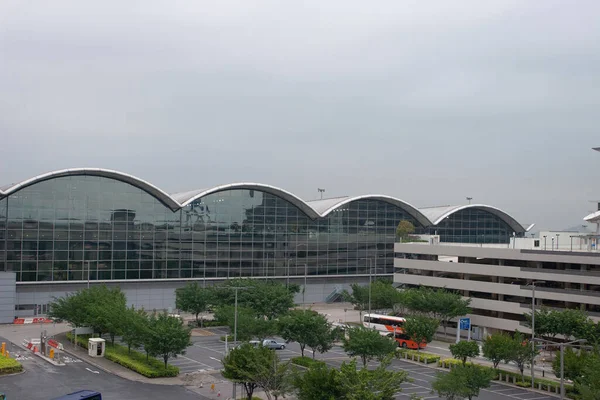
(43,381)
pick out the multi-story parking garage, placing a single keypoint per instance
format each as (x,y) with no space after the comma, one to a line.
(65,229)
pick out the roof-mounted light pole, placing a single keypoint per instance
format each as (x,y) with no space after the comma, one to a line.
(321,191)
(469,199)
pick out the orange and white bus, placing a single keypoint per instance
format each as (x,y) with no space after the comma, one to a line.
(385,324)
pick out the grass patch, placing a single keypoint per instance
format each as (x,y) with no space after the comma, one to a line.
(306,362)
(135,361)
(9,365)
(420,356)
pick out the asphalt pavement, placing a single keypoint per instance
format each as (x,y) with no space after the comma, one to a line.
(43,381)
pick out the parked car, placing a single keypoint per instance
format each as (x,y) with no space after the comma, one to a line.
(269,343)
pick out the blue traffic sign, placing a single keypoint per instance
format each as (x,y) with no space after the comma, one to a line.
(465,323)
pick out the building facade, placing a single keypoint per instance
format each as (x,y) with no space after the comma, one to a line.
(497,279)
(96,225)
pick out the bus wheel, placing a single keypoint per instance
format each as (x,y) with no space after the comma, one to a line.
(404,345)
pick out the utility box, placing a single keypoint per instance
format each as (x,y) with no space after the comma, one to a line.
(96,347)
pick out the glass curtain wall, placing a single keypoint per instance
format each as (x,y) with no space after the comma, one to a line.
(86,227)
(473,225)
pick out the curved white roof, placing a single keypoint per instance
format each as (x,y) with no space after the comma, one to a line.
(437,214)
(593,217)
(325,206)
(107,173)
(188,197)
(313,209)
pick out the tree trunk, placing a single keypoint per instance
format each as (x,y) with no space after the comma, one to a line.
(313,354)
(166,358)
(302,349)
(128,348)
(249,390)
(112,339)
(445,325)
(197,319)
(364,360)
(147,355)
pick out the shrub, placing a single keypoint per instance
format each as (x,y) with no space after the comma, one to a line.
(9,365)
(306,362)
(426,358)
(135,361)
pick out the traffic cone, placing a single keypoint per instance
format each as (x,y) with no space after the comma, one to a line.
(219,394)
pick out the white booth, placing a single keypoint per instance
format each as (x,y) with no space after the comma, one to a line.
(96,347)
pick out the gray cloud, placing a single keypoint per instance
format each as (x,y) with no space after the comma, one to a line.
(427,101)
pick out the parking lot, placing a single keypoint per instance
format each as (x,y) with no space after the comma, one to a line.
(207,352)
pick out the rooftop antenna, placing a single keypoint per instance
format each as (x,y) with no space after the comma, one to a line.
(469,199)
(321,191)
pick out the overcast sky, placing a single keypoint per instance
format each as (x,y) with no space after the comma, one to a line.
(428,101)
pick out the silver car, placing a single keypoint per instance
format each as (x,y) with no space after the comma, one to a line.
(268,343)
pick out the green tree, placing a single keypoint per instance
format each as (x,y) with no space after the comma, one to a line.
(359,297)
(569,323)
(421,328)
(193,299)
(497,348)
(404,230)
(248,365)
(308,328)
(448,305)
(368,344)
(349,383)
(319,382)
(268,299)
(167,337)
(277,381)
(464,349)
(377,384)
(249,326)
(574,364)
(463,381)
(521,352)
(70,308)
(588,383)
(383,295)
(135,327)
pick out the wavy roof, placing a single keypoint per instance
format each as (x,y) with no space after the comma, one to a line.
(438,214)
(313,209)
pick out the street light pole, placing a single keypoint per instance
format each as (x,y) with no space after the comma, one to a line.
(88,278)
(370,284)
(533,329)
(288,272)
(304,289)
(235,318)
(562,360)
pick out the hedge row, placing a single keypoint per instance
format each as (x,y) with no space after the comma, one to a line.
(306,362)
(420,356)
(9,365)
(514,377)
(135,361)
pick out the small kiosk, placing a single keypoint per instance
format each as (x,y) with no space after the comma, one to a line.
(96,347)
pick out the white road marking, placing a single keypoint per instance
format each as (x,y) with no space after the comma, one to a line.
(94,372)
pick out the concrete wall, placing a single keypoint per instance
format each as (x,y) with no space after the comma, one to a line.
(7,297)
(161,295)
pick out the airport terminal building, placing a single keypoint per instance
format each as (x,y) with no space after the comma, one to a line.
(66,229)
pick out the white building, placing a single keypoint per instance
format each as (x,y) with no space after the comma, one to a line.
(497,278)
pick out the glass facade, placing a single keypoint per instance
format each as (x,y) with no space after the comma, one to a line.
(73,227)
(473,225)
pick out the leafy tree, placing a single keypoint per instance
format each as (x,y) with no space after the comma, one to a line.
(377,384)
(135,327)
(193,299)
(575,363)
(404,230)
(383,295)
(268,299)
(368,344)
(588,383)
(70,308)
(349,383)
(308,328)
(521,352)
(319,382)
(167,337)
(277,379)
(464,349)
(550,323)
(448,305)
(463,381)
(421,328)
(248,324)
(249,366)
(497,347)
